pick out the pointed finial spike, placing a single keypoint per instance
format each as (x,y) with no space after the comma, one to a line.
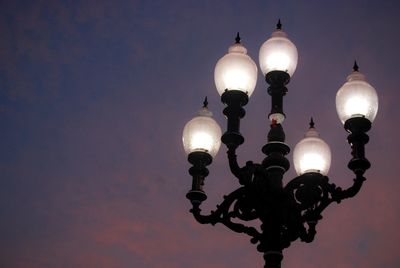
(237,39)
(205,103)
(355,67)
(312,124)
(279,25)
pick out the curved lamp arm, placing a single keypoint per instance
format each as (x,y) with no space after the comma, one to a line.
(338,194)
(224,215)
(233,164)
(357,127)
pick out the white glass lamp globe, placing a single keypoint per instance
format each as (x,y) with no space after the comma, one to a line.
(202,134)
(278,53)
(312,154)
(236,70)
(356,98)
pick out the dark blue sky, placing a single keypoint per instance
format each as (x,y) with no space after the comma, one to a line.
(93,99)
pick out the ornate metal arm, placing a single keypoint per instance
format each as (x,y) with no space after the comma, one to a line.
(225,213)
(312,193)
(338,194)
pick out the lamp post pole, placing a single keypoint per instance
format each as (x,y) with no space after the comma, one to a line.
(287,212)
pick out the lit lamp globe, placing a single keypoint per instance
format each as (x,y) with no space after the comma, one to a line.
(202,134)
(278,53)
(236,70)
(356,98)
(312,154)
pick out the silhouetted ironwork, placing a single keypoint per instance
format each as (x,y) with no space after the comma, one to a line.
(287,212)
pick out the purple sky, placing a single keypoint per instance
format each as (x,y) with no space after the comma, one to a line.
(93,99)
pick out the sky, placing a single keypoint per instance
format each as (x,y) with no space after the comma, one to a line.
(94,96)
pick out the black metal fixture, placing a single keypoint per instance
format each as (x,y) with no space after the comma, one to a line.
(286,212)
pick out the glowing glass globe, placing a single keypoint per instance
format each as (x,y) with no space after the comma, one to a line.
(202,134)
(236,71)
(312,154)
(356,98)
(278,53)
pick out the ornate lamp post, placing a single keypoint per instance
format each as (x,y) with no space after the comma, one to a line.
(287,212)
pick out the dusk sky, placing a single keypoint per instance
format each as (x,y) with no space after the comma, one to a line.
(94,96)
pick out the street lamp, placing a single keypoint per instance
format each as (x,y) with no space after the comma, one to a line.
(287,212)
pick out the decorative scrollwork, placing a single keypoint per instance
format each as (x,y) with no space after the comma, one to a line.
(233,206)
(286,213)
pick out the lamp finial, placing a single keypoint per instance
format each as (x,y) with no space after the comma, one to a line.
(237,39)
(205,103)
(312,124)
(279,25)
(355,67)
